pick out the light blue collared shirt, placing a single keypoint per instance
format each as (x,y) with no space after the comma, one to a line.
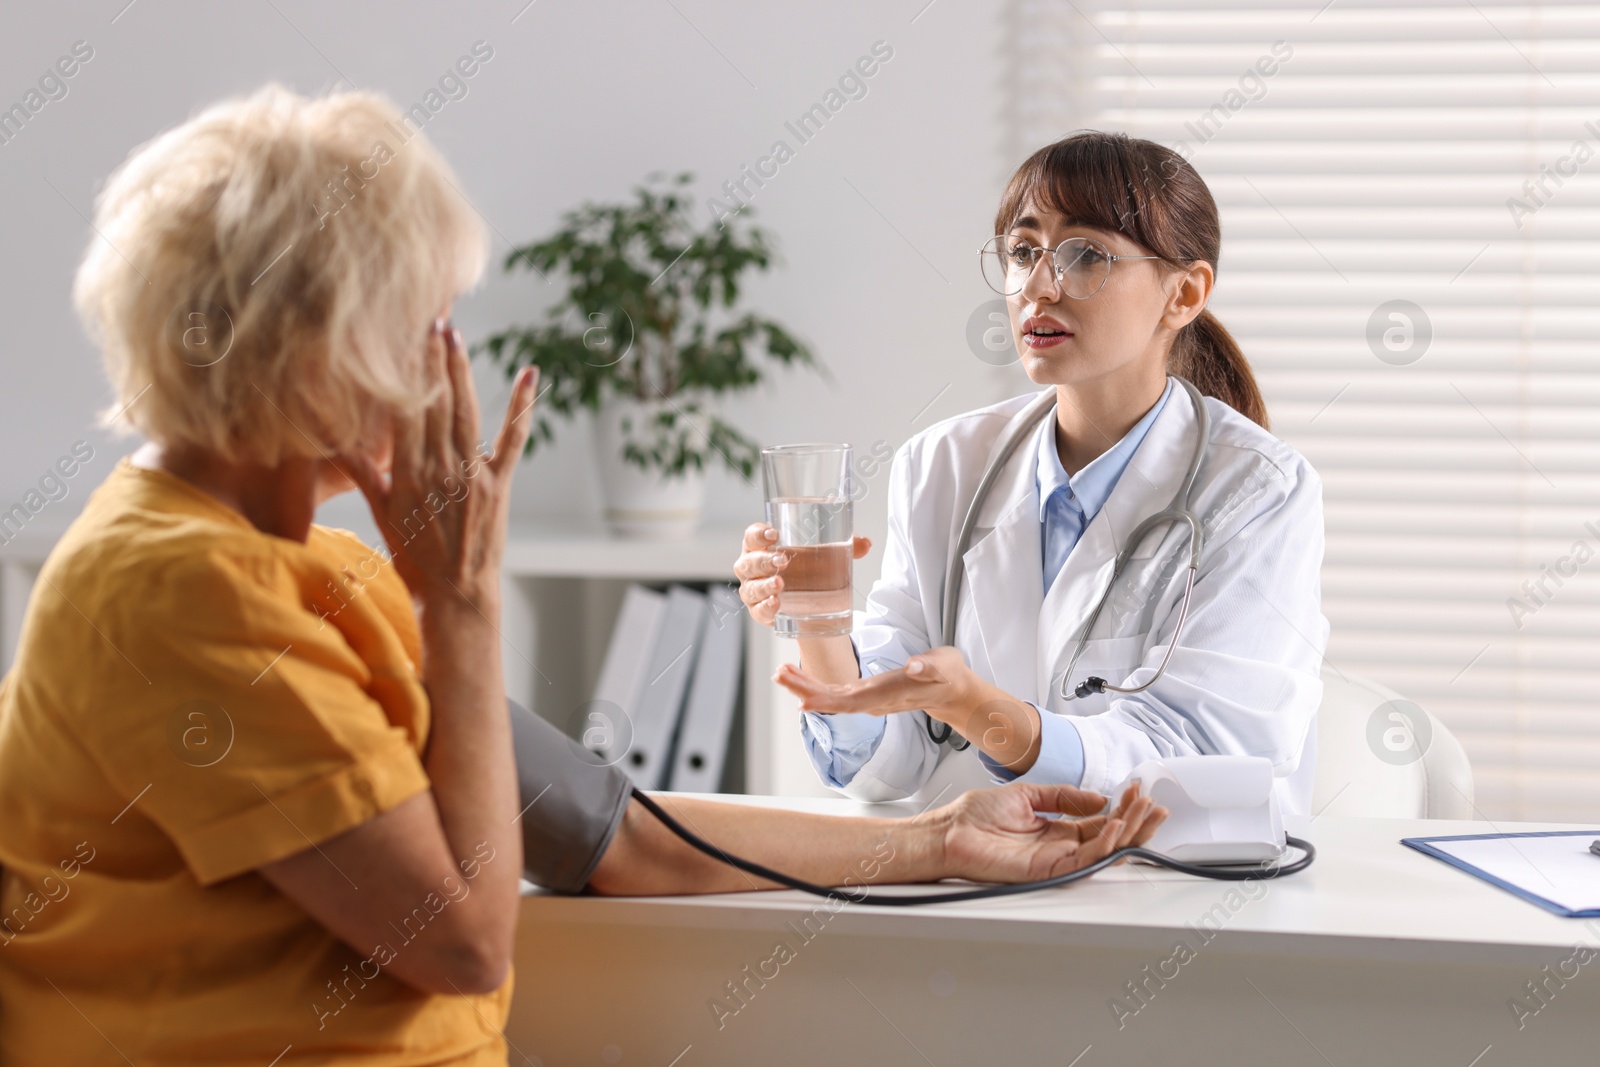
(1066,508)
(843,743)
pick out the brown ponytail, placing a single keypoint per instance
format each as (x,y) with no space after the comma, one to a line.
(1206,354)
(1127,185)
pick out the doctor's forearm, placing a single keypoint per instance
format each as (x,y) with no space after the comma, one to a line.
(998,724)
(831,659)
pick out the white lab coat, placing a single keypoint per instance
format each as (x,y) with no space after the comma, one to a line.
(1245,676)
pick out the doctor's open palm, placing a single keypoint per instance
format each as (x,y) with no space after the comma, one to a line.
(938,681)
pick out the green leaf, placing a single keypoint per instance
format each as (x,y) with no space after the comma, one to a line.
(666,291)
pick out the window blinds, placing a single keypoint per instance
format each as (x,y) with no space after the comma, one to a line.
(1410,209)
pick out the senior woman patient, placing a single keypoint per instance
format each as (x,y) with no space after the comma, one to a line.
(263,801)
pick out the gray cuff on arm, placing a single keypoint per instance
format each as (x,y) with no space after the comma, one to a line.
(571,805)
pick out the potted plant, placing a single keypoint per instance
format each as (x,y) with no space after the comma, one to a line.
(646,336)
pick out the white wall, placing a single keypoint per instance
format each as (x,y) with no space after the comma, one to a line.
(579,101)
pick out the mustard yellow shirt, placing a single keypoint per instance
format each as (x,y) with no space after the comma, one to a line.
(191,699)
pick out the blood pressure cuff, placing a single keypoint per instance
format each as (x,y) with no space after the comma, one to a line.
(571,804)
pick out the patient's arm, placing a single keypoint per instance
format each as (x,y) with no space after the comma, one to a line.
(436,877)
(395,881)
(448,859)
(990,835)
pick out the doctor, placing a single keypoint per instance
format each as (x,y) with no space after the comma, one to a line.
(1106,251)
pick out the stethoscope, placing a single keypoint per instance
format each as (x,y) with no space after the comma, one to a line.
(1177,510)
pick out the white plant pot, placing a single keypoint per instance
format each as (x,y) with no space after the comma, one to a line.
(643,503)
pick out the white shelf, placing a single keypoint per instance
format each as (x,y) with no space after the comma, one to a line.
(592,552)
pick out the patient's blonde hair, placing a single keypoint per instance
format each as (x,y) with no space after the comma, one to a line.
(265,275)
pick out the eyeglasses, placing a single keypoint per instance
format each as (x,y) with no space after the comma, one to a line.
(1081,265)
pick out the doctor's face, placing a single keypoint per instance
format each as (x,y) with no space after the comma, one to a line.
(1114,333)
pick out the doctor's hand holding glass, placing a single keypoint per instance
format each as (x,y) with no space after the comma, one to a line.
(1119,566)
(938,682)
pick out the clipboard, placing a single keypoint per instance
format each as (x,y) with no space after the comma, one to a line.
(1554,869)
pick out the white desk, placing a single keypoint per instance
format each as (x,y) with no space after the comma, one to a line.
(1375,955)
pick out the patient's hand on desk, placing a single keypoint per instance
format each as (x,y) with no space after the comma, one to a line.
(987,835)
(997,835)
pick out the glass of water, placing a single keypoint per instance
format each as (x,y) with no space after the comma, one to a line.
(809,491)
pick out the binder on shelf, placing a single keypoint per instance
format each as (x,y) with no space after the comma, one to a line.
(702,747)
(622,675)
(668,665)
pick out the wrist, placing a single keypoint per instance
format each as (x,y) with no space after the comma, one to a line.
(449,610)
(966,711)
(1004,728)
(926,839)
(831,658)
